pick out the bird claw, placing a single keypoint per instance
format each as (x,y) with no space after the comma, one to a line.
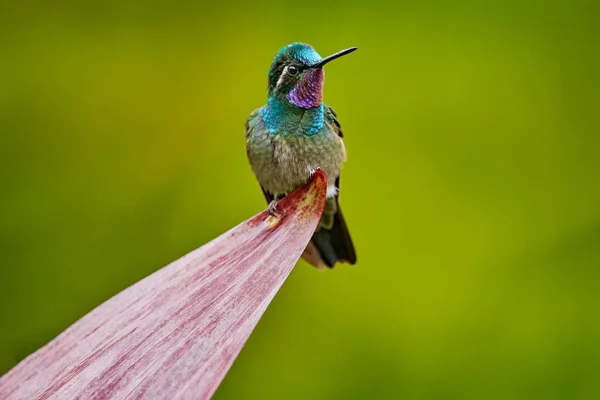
(273,211)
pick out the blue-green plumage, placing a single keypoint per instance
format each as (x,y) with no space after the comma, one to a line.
(284,118)
(293,135)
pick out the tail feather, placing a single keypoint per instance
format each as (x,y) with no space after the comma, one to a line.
(334,243)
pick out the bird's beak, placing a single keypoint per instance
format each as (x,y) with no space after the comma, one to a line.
(333,57)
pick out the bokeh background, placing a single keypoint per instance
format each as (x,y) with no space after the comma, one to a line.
(472,188)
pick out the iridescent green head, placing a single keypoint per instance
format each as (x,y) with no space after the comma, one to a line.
(297,74)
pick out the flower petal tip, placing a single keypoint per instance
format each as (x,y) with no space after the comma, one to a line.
(176,333)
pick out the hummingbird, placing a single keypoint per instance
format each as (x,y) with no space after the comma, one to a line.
(294,134)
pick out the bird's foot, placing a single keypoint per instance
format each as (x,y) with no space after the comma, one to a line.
(273,211)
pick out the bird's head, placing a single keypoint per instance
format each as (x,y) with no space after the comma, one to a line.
(297,74)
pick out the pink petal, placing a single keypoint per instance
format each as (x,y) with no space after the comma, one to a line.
(175,334)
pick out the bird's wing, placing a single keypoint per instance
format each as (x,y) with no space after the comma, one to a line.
(332,117)
(250,124)
(268,195)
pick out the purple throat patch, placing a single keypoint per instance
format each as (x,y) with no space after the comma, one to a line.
(308,92)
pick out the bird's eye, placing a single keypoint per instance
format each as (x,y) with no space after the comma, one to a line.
(292,69)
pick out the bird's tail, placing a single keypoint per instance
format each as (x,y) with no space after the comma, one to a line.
(331,242)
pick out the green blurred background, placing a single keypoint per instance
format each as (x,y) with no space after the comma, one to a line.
(472,188)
